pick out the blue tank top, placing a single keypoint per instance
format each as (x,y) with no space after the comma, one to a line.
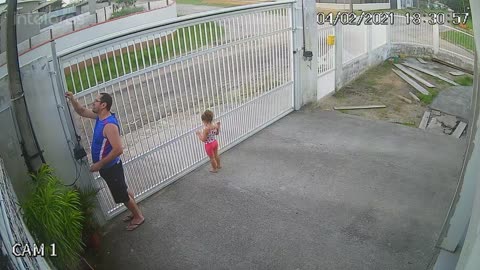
(101,147)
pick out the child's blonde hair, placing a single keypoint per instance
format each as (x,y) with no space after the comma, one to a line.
(207,116)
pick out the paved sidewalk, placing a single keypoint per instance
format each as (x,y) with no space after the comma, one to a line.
(315,190)
(186,9)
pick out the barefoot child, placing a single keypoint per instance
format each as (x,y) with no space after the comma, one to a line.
(207,135)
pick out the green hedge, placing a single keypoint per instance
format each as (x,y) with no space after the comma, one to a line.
(126,11)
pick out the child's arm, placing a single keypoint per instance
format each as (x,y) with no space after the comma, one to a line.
(202,135)
(218,127)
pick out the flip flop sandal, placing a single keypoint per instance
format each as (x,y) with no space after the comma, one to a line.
(133,226)
(127,218)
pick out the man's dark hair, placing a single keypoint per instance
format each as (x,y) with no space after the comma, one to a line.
(106,98)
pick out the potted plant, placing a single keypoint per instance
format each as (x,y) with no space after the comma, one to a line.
(91,234)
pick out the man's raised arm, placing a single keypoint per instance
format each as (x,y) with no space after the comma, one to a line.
(79,108)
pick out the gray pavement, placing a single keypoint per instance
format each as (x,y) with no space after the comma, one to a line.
(186,9)
(315,190)
(454,101)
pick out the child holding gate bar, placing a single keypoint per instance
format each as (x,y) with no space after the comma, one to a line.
(207,135)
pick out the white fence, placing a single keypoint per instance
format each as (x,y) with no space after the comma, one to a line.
(326,52)
(363,45)
(379,35)
(456,42)
(81,21)
(46,18)
(412,31)
(13,229)
(354,41)
(238,64)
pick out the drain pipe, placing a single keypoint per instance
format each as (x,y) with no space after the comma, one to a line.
(28,142)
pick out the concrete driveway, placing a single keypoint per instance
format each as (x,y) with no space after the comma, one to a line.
(315,190)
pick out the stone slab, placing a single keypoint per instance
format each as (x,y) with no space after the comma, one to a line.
(413,83)
(431,73)
(424,122)
(447,120)
(459,130)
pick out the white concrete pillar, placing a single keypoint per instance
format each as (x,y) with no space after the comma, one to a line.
(309,58)
(338,55)
(436,38)
(297,44)
(305,52)
(389,39)
(370,44)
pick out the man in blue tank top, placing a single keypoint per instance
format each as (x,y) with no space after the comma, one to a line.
(106,150)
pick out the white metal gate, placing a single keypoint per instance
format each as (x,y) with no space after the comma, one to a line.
(236,62)
(326,60)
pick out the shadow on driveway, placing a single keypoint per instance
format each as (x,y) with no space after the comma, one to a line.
(315,190)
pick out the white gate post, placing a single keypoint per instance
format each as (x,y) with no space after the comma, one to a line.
(436,38)
(306,52)
(370,44)
(338,55)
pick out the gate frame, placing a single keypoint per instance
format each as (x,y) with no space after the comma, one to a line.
(87,178)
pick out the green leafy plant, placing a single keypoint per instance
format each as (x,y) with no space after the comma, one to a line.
(464,80)
(126,11)
(428,99)
(53,214)
(90,228)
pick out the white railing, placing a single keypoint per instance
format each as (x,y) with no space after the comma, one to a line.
(237,63)
(326,52)
(413,32)
(354,42)
(456,42)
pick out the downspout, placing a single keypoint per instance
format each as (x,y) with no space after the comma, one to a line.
(28,141)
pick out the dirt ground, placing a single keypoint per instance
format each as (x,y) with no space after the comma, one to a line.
(380,86)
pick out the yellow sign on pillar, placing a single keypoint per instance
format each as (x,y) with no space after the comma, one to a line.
(330,39)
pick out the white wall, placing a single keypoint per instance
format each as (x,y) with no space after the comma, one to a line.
(379,35)
(325,84)
(355,6)
(354,41)
(469,257)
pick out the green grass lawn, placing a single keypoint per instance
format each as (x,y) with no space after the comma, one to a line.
(470,23)
(465,80)
(138,58)
(459,38)
(428,99)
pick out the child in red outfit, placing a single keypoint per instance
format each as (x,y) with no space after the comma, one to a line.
(207,136)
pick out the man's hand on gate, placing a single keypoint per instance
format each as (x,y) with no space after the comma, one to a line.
(69,95)
(95,167)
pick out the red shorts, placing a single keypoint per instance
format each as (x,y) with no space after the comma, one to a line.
(211,147)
